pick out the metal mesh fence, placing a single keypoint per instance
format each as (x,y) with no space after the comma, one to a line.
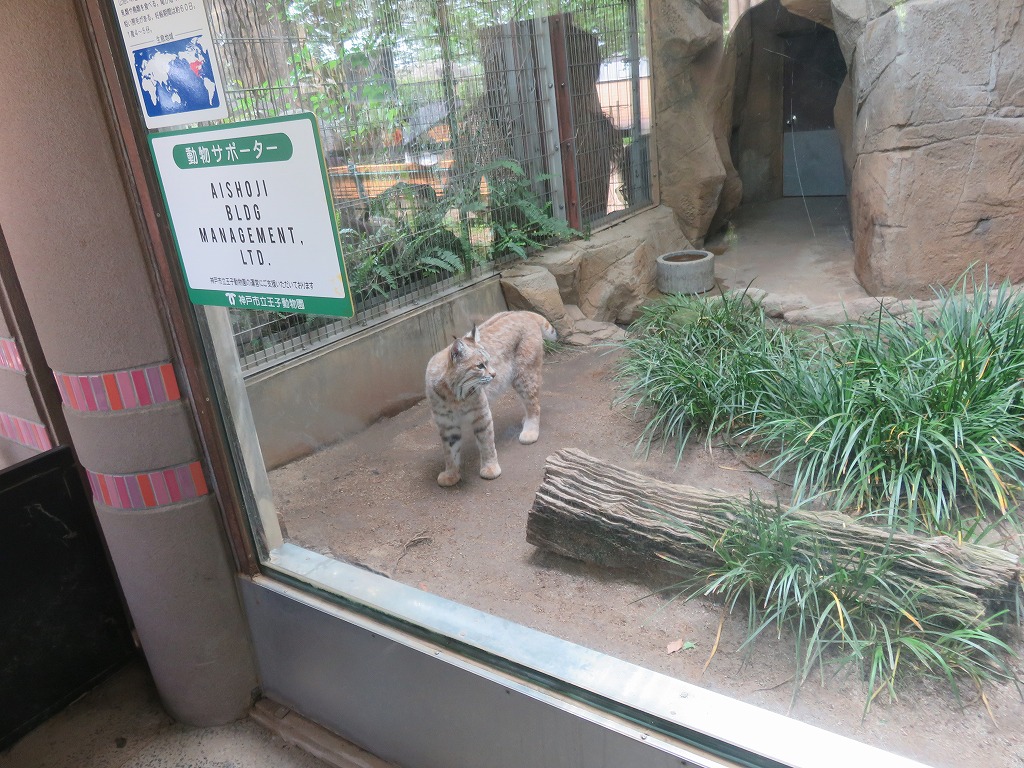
(458,134)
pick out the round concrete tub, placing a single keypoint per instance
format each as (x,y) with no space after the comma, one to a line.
(686,272)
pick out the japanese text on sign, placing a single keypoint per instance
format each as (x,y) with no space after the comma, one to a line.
(270,148)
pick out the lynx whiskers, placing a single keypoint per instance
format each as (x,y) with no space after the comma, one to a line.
(462,379)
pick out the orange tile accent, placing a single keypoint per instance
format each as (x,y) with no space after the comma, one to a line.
(101,482)
(170,381)
(113,394)
(148,496)
(197,478)
(72,398)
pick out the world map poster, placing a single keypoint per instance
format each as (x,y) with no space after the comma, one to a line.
(173,59)
(176,77)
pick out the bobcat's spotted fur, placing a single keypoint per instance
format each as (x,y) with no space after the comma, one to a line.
(507,349)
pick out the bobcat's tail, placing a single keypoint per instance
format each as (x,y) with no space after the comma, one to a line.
(547,330)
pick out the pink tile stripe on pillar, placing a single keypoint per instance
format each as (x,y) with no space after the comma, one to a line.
(149,489)
(125,390)
(118,390)
(10,357)
(26,432)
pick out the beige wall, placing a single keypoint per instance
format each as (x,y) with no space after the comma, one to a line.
(84,269)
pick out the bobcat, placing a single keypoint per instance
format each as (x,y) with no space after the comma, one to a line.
(461,379)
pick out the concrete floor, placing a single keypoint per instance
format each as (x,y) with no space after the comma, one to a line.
(788,246)
(121,724)
(793,245)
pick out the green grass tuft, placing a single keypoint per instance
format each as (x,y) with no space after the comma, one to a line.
(844,608)
(696,364)
(919,415)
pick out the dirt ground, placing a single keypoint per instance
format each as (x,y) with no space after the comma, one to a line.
(373,500)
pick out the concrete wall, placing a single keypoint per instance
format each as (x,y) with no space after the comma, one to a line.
(83,265)
(340,390)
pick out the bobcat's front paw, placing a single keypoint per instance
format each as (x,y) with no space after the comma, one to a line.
(447,478)
(490,471)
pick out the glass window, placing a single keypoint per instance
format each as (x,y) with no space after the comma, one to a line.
(459,137)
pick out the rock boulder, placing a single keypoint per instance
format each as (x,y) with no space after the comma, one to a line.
(930,121)
(685,62)
(606,278)
(531,287)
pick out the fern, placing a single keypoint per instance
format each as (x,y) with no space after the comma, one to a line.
(427,244)
(443,261)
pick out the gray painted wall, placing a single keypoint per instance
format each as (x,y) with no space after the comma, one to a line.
(812,164)
(339,391)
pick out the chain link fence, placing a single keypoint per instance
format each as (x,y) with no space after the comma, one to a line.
(459,135)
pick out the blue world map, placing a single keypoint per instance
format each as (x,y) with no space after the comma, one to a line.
(176,77)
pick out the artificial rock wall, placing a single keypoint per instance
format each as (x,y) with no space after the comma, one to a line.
(938,140)
(930,118)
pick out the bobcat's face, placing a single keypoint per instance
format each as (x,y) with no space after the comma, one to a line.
(469,367)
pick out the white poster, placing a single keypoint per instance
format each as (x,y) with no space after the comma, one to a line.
(252,215)
(170,50)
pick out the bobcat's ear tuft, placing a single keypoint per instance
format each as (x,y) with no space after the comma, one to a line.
(474,334)
(458,350)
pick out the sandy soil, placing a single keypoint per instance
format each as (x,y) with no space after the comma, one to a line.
(373,500)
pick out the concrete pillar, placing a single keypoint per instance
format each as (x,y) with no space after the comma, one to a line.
(67,219)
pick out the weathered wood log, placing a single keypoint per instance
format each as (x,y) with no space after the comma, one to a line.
(589,510)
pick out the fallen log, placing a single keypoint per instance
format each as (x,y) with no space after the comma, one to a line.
(592,511)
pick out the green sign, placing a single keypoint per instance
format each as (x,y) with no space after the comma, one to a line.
(252,215)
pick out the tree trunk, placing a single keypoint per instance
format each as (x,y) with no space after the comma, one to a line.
(589,510)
